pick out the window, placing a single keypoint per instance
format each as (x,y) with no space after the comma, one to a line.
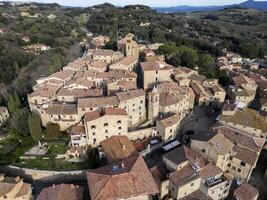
(93,133)
(233,168)
(230,157)
(156,79)
(171,131)
(119,127)
(157,72)
(91,108)
(94,141)
(93,127)
(106,131)
(239,170)
(242,163)
(105,124)
(119,122)
(229,165)
(192,184)
(141,101)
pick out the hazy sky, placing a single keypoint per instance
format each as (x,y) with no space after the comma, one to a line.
(144,2)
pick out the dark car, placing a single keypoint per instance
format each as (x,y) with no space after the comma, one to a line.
(189,132)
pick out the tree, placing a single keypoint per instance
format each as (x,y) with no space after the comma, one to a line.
(205,60)
(13,102)
(189,56)
(19,121)
(56,64)
(35,126)
(52,131)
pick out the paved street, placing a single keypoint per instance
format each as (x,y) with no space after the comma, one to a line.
(199,121)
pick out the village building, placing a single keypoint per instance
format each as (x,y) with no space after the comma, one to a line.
(246,192)
(79,83)
(217,149)
(248,120)
(97,66)
(117,148)
(4,115)
(245,82)
(77,136)
(239,94)
(72,96)
(206,182)
(100,41)
(128,46)
(168,127)
(61,192)
(134,102)
(128,179)
(101,78)
(169,97)
(181,156)
(208,93)
(160,175)
(65,115)
(127,63)
(96,103)
(154,72)
(14,188)
(114,86)
(100,125)
(58,78)
(104,55)
(42,96)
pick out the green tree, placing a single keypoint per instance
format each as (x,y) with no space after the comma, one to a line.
(56,64)
(13,102)
(189,56)
(205,60)
(35,126)
(19,121)
(52,131)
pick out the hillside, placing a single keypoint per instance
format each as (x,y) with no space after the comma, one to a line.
(209,31)
(33,37)
(257,5)
(62,30)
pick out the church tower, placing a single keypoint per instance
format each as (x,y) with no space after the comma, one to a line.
(153,105)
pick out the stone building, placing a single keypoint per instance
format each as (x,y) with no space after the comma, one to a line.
(134,102)
(154,72)
(128,46)
(100,125)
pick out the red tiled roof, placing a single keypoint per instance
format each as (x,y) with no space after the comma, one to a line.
(121,181)
(117,148)
(246,192)
(61,192)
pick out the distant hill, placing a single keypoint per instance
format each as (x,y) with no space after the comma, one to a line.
(258,5)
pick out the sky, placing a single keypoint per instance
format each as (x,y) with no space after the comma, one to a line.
(153,3)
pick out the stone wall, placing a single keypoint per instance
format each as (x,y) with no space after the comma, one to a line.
(43,175)
(142,133)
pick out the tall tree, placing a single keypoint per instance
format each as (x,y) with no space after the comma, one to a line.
(56,64)
(19,121)
(52,131)
(13,102)
(35,126)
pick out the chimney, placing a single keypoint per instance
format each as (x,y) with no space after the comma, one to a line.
(123,146)
(122,165)
(72,186)
(54,186)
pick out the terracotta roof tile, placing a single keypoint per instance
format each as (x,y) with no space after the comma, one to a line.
(127,179)
(117,148)
(124,96)
(246,192)
(61,192)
